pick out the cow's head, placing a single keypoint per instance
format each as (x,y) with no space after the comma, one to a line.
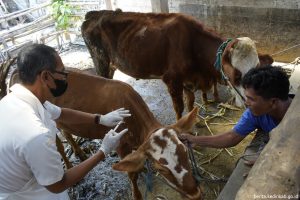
(238,58)
(169,157)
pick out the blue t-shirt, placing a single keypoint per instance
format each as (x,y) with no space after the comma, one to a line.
(248,123)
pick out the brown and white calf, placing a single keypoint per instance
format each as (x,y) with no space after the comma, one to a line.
(168,155)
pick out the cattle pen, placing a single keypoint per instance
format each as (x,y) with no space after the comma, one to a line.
(273,25)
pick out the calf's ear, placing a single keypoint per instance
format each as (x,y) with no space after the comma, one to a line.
(186,123)
(131,163)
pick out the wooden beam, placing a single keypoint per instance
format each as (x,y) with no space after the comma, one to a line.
(43,21)
(13,51)
(3,6)
(22,12)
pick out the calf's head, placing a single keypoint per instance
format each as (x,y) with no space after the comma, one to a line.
(168,156)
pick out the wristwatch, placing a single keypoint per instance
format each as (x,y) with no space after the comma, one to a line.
(97,119)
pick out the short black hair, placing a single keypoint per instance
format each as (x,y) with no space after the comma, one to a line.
(33,59)
(268,82)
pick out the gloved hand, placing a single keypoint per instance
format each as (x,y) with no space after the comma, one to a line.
(111,141)
(114,117)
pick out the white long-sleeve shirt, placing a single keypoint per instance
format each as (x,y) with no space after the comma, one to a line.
(29,159)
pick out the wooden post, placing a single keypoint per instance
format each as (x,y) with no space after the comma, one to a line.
(108,4)
(59,43)
(3,11)
(67,36)
(13,40)
(160,6)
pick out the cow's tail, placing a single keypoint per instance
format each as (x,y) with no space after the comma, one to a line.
(4,69)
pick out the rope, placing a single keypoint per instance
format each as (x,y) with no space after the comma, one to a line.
(295,62)
(219,67)
(195,169)
(261,143)
(239,95)
(285,50)
(218,63)
(194,166)
(148,179)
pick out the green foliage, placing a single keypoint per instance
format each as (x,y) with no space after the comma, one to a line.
(61,12)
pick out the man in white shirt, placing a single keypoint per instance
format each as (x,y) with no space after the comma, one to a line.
(30,165)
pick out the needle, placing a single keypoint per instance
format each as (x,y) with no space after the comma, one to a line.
(117,126)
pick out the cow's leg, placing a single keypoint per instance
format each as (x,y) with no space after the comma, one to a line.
(204,97)
(123,150)
(216,94)
(136,193)
(61,150)
(175,88)
(190,96)
(77,150)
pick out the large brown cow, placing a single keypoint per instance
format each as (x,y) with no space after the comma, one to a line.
(174,47)
(146,136)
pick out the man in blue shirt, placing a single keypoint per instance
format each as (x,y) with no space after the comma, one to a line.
(267,100)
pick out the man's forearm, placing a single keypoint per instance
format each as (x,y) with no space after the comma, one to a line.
(70,116)
(75,174)
(210,141)
(224,140)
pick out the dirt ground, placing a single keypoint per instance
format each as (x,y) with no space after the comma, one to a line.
(104,183)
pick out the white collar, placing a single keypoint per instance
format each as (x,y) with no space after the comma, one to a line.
(26,95)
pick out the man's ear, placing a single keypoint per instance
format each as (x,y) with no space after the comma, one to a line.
(186,123)
(274,102)
(44,75)
(131,163)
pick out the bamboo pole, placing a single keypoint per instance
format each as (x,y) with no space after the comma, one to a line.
(22,12)
(18,30)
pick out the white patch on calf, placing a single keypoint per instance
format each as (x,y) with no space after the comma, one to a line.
(238,101)
(244,55)
(168,153)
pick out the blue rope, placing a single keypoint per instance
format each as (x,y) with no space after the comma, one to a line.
(148,179)
(218,63)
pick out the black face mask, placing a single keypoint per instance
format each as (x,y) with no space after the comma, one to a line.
(61,87)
